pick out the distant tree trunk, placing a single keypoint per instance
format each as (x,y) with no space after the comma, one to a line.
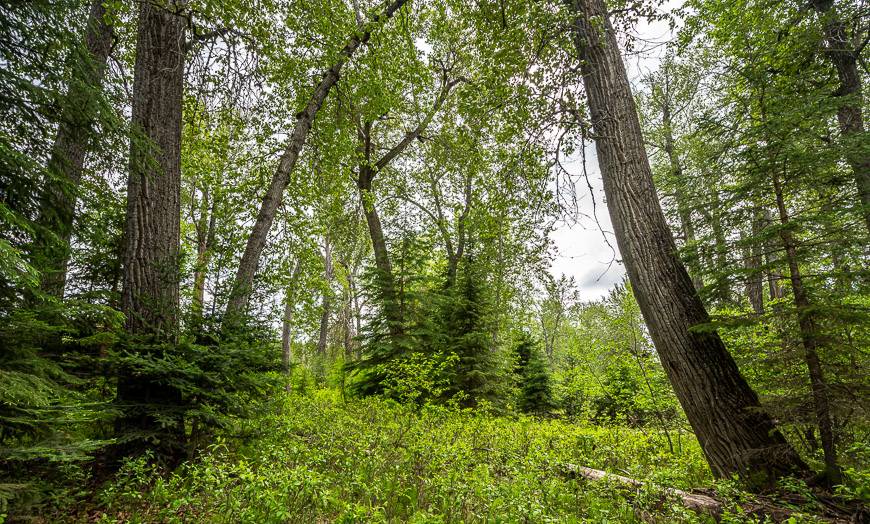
(811,339)
(366,172)
(73,139)
(357,309)
(724,288)
(241,289)
(737,437)
(752,265)
(842,53)
(326,306)
(153,228)
(683,209)
(774,277)
(287,323)
(385,278)
(205,235)
(719,258)
(346,314)
(347,317)
(454,253)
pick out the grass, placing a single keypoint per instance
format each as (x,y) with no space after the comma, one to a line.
(318,459)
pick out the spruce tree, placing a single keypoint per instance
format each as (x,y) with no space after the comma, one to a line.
(535,392)
(467,334)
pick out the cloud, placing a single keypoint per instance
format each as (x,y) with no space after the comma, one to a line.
(583,250)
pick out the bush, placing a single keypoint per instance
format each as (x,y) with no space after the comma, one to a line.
(191,390)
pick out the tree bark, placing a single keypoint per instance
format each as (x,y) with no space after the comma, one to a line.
(241,289)
(844,57)
(73,139)
(811,340)
(153,227)
(737,437)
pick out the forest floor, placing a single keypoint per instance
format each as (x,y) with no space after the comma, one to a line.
(318,458)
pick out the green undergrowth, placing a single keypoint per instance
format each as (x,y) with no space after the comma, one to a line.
(318,458)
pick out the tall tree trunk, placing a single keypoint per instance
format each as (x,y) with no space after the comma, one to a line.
(241,288)
(736,435)
(326,306)
(347,318)
(366,173)
(774,277)
(385,278)
(153,228)
(73,139)
(811,339)
(683,209)
(842,54)
(287,323)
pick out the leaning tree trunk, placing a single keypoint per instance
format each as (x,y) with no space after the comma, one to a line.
(366,173)
(74,135)
(153,230)
(737,437)
(241,288)
(811,340)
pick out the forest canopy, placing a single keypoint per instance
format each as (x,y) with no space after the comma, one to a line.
(289,261)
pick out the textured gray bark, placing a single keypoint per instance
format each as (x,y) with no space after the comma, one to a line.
(73,139)
(150,294)
(153,227)
(737,437)
(241,290)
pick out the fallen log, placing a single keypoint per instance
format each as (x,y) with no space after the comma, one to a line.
(832,510)
(701,504)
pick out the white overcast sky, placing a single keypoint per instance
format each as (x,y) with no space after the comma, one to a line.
(582,249)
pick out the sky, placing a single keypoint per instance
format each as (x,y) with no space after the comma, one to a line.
(583,250)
